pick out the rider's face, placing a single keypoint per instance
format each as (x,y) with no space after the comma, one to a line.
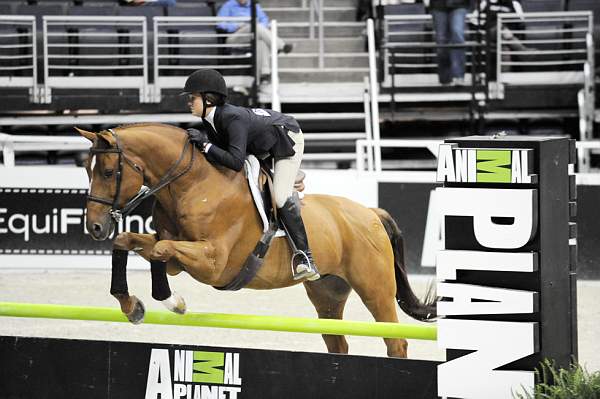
(195,104)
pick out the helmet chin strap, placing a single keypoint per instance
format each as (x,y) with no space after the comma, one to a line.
(204,105)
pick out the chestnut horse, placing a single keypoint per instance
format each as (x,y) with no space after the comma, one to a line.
(207,225)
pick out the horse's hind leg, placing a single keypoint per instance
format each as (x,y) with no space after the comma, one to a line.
(329,295)
(377,292)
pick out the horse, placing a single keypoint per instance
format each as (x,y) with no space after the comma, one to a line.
(207,225)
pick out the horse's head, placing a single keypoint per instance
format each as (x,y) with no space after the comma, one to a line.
(114,180)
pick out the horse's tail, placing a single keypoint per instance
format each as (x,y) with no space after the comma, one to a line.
(419,309)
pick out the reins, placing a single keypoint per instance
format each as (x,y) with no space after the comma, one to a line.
(116,212)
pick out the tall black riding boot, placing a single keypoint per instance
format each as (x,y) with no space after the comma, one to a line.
(302,260)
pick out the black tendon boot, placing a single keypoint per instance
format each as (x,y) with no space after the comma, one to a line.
(302,261)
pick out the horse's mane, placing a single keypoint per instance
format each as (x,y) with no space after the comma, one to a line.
(145,124)
(168,128)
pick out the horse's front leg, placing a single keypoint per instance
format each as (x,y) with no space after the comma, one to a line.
(201,259)
(131,305)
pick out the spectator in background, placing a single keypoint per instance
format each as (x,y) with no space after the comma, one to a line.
(509,40)
(240,32)
(449,25)
(364,10)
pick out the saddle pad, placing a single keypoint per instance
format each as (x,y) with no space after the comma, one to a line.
(252,169)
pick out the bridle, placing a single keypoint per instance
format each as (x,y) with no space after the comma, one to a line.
(117,212)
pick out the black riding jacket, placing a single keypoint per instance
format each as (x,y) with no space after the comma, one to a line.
(241,131)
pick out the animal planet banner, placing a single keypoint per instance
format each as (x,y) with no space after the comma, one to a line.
(52,221)
(124,370)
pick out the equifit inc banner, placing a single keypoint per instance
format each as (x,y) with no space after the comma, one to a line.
(52,221)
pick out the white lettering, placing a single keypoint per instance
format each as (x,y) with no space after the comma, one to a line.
(492,300)
(516,171)
(472,156)
(231,390)
(485,204)
(159,375)
(148,226)
(54,221)
(189,366)
(179,366)
(461,166)
(228,370)
(3,230)
(24,229)
(449,261)
(520,166)
(134,219)
(66,219)
(43,230)
(496,343)
(526,178)
(445,170)
(179,391)
(434,227)
(237,380)
(260,112)
(210,392)
(231,374)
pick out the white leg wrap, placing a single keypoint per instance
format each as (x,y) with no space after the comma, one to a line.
(175,303)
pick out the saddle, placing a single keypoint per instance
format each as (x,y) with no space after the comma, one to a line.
(260,181)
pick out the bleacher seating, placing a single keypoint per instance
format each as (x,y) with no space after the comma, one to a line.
(190,10)
(404,9)
(90,38)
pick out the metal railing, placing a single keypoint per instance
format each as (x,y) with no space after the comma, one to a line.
(275,100)
(372,93)
(18,54)
(543,48)
(409,50)
(83,52)
(184,44)
(10,144)
(316,9)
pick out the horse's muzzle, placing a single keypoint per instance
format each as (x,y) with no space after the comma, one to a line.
(102,229)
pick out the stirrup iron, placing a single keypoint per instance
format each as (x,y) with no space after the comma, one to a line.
(303,268)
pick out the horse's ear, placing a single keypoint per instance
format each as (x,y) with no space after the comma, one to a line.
(108,137)
(91,136)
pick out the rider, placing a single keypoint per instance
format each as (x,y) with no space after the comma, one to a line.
(234,132)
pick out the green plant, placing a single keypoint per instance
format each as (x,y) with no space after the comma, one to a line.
(575,382)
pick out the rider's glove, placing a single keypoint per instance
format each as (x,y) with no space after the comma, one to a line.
(199,138)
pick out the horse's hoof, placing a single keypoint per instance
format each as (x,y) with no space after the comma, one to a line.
(136,316)
(175,303)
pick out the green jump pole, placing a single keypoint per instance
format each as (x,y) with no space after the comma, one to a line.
(220,320)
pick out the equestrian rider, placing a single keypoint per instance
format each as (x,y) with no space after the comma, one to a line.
(234,132)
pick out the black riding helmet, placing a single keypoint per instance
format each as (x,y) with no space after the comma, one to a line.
(205,81)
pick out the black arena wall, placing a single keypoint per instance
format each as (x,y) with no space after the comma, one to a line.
(44,368)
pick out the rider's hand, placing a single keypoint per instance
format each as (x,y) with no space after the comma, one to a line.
(199,138)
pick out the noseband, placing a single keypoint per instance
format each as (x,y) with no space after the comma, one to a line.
(117,212)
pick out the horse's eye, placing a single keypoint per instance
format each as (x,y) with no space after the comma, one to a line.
(108,173)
